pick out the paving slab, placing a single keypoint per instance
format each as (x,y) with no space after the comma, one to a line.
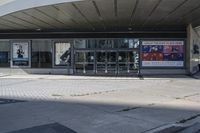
(49,128)
(90,105)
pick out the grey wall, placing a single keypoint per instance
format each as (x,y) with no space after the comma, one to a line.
(192,56)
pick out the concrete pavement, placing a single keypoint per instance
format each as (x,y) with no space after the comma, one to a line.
(97,104)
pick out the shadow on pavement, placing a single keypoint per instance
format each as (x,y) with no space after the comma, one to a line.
(71,116)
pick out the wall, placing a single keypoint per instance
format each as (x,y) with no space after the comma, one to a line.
(11,71)
(192,50)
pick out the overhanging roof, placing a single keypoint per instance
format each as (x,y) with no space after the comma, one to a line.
(97,15)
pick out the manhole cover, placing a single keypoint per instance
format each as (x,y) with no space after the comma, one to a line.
(49,128)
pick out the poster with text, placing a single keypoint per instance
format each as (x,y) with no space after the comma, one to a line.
(20,54)
(163,53)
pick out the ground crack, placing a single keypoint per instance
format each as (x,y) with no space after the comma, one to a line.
(128,109)
(133,108)
(89,94)
(187,96)
(188,119)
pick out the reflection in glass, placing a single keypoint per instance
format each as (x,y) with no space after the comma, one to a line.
(107,43)
(80,57)
(111,56)
(122,59)
(133,60)
(101,62)
(101,56)
(4,54)
(107,56)
(85,44)
(128,43)
(84,62)
(112,62)
(41,54)
(89,57)
(80,68)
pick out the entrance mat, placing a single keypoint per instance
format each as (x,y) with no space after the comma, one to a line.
(9,101)
(49,128)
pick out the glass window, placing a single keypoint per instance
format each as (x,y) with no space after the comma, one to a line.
(84,62)
(129,43)
(91,44)
(80,57)
(82,44)
(111,56)
(106,43)
(133,59)
(101,56)
(4,54)
(122,57)
(84,57)
(41,54)
(89,57)
(62,53)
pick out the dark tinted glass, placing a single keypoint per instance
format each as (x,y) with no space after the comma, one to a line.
(4,54)
(41,54)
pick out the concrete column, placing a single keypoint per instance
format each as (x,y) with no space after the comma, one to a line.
(192,50)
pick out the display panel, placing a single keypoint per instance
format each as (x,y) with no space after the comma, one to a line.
(20,53)
(163,53)
(62,54)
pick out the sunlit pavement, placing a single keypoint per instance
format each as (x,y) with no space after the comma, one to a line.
(96,104)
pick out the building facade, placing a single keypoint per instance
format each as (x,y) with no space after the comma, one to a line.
(124,41)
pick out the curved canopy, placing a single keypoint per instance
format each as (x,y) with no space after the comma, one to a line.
(97,15)
(10,6)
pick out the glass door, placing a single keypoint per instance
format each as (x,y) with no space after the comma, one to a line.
(112,62)
(133,61)
(122,62)
(84,62)
(79,62)
(101,62)
(89,63)
(128,62)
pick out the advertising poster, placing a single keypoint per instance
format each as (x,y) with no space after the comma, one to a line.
(62,54)
(20,54)
(163,53)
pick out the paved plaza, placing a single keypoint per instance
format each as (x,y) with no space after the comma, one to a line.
(81,104)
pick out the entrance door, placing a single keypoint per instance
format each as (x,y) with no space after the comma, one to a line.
(101,59)
(133,62)
(128,62)
(112,62)
(122,62)
(84,62)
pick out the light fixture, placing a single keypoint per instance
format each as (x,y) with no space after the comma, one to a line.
(130,28)
(38,29)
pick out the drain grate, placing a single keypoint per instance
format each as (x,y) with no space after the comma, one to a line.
(49,128)
(9,101)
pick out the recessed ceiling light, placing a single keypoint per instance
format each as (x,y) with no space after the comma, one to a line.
(38,29)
